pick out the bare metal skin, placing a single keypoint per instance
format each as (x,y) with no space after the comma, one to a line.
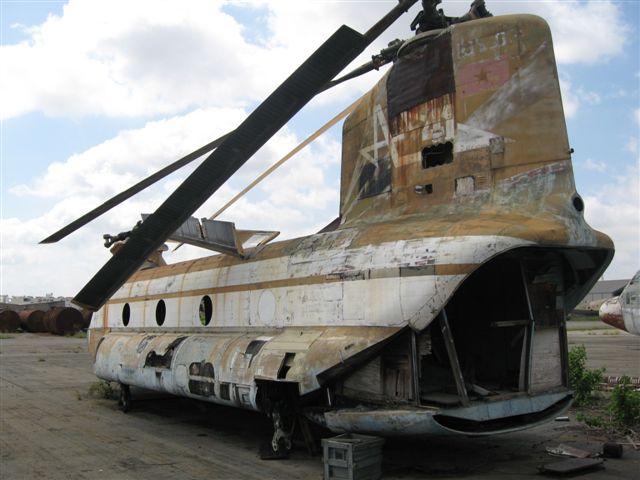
(436,304)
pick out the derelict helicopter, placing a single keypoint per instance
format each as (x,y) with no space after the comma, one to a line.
(622,311)
(434,304)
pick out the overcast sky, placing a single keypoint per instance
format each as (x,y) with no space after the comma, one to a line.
(95,95)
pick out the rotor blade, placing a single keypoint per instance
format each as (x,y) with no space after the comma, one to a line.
(276,165)
(386,21)
(323,65)
(280,162)
(385,56)
(268,118)
(361,70)
(131,191)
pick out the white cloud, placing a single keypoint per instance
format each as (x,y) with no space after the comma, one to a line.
(297,199)
(632,145)
(614,210)
(149,58)
(573,98)
(636,115)
(117,163)
(121,58)
(575,25)
(570,101)
(588,32)
(29,268)
(130,59)
(589,97)
(594,166)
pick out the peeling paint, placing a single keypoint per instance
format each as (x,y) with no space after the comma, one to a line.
(467,170)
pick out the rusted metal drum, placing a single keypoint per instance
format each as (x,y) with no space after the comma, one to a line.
(63,320)
(32,320)
(9,321)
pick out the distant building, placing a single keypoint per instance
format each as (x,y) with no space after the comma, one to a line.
(603,289)
(18,303)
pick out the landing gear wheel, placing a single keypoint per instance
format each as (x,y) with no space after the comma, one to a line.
(280,452)
(124,401)
(280,445)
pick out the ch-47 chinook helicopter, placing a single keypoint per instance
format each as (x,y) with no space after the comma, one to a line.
(434,303)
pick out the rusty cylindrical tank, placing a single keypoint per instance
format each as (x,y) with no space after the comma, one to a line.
(9,321)
(32,320)
(63,320)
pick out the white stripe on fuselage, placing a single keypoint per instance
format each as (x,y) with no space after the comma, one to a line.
(364,285)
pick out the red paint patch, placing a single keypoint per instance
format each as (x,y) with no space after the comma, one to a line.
(614,320)
(479,77)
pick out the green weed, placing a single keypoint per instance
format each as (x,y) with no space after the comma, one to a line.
(592,420)
(103,389)
(624,405)
(581,379)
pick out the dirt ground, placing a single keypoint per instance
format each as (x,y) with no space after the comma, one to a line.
(51,428)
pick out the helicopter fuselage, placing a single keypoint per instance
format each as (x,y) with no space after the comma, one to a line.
(437,303)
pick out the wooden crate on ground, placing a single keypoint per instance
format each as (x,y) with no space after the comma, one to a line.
(352,457)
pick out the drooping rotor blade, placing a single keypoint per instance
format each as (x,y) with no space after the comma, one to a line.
(323,65)
(280,162)
(377,61)
(269,117)
(384,57)
(131,191)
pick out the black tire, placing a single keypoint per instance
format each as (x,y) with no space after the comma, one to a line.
(268,453)
(124,402)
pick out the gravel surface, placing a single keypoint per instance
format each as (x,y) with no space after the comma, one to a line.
(51,428)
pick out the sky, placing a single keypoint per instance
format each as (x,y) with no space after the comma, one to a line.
(96,94)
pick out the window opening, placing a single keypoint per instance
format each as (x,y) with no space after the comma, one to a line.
(287,363)
(437,155)
(161,312)
(126,314)
(578,204)
(224,391)
(206,310)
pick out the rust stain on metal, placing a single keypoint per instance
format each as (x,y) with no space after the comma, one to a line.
(455,198)
(32,320)
(9,321)
(63,320)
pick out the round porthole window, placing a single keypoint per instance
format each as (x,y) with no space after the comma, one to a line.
(206,310)
(578,204)
(161,312)
(126,314)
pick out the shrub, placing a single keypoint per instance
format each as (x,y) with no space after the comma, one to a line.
(581,379)
(624,405)
(103,389)
(592,420)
